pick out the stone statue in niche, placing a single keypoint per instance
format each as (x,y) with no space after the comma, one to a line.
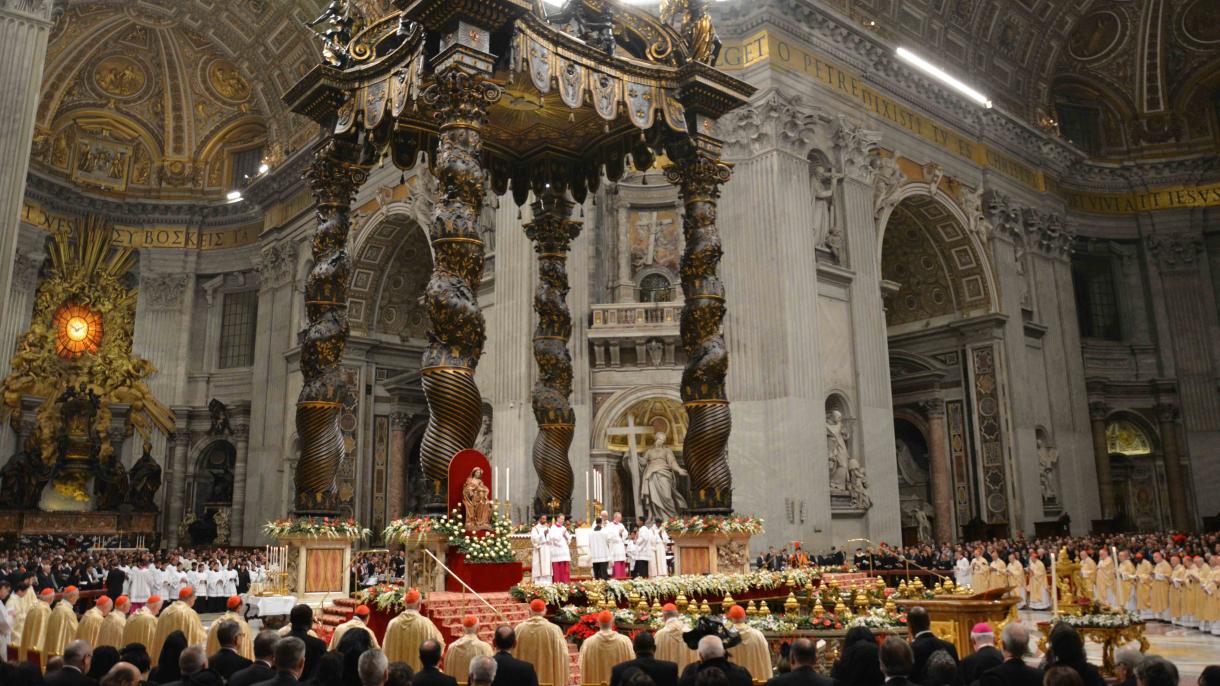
(826,231)
(475,502)
(24,476)
(483,442)
(1048,467)
(923,522)
(658,481)
(220,419)
(656,352)
(857,484)
(145,480)
(837,451)
(110,484)
(909,471)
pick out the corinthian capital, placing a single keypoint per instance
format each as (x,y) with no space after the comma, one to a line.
(1176,252)
(772,121)
(856,146)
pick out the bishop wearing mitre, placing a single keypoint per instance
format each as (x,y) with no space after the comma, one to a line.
(359,622)
(245,644)
(541,643)
(540,561)
(753,653)
(462,651)
(61,625)
(601,651)
(35,626)
(90,624)
(1088,576)
(1105,581)
(180,616)
(113,624)
(142,625)
(979,571)
(670,645)
(408,630)
(1038,593)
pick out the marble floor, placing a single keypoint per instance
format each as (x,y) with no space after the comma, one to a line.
(1189,649)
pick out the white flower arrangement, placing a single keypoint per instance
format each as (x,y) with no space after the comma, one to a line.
(668,588)
(1102,620)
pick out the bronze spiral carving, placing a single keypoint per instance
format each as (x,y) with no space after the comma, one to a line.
(334,177)
(459,100)
(552,232)
(699,177)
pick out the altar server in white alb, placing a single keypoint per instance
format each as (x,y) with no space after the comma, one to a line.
(599,550)
(961,570)
(540,561)
(641,552)
(561,551)
(658,565)
(216,588)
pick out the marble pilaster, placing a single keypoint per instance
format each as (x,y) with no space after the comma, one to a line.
(1167,416)
(173,481)
(24,28)
(1101,457)
(241,442)
(396,470)
(162,336)
(942,478)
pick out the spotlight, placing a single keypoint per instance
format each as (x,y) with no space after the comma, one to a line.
(233,196)
(943,76)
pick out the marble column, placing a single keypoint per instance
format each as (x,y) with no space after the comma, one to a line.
(241,441)
(942,480)
(1167,415)
(396,470)
(624,289)
(174,481)
(1098,411)
(24,28)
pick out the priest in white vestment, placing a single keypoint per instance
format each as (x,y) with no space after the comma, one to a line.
(658,565)
(559,539)
(540,561)
(617,535)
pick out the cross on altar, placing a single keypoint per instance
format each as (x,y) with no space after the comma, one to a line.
(633,457)
(653,226)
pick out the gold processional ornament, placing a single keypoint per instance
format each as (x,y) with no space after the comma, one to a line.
(81,337)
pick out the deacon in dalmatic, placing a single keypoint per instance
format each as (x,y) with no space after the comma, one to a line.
(408,630)
(541,643)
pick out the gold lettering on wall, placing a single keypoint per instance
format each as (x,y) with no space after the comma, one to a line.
(149,237)
(783,52)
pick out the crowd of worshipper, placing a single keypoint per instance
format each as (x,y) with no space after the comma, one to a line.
(372,567)
(214,573)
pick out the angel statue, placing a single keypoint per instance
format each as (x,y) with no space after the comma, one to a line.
(696,28)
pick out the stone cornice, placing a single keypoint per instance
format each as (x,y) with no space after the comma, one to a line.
(873,58)
(58,196)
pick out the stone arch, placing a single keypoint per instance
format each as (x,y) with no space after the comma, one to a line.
(392,266)
(655,271)
(1137,464)
(939,265)
(620,402)
(198,479)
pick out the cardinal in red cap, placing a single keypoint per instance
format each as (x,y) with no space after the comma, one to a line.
(359,622)
(142,625)
(464,650)
(245,640)
(61,626)
(111,633)
(91,622)
(753,653)
(408,630)
(35,627)
(541,643)
(670,645)
(180,616)
(601,651)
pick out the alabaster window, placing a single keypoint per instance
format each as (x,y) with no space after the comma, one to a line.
(1096,300)
(237,328)
(655,288)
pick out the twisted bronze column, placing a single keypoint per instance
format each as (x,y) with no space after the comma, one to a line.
(456,336)
(699,177)
(334,177)
(552,232)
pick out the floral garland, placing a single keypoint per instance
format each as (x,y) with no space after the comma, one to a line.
(478,547)
(667,588)
(317,528)
(1106,620)
(715,525)
(386,597)
(878,618)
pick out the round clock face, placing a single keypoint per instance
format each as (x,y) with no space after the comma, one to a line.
(78,330)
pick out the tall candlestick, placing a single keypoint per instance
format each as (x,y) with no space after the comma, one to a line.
(1054,587)
(508,481)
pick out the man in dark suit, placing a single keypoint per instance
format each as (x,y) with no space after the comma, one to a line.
(712,656)
(289,662)
(1014,671)
(924,642)
(262,668)
(986,656)
(897,660)
(663,673)
(509,670)
(803,656)
(115,578)
(193,664)
(429,675)
(226,662)
(301,619)
(78,655)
